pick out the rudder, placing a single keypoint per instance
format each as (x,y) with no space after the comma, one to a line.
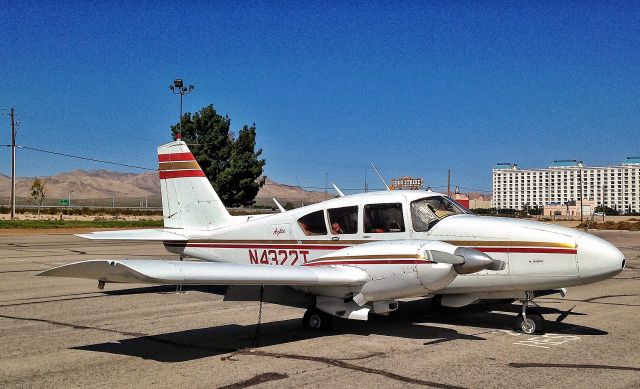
(188,199)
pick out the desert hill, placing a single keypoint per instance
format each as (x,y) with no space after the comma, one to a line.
(96,184)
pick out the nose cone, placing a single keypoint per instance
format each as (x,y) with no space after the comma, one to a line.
(598,259)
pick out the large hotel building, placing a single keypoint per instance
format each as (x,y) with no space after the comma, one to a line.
(564,182)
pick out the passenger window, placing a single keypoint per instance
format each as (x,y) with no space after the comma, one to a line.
(383,218)
(313,224)
(343,220)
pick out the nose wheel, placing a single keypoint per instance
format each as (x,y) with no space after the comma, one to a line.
(316,319)
(530,322)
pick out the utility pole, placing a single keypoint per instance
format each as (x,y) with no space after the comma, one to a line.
(603,202)
(366,186)
(13,164)
(581,218)
(449,182)
(326,186)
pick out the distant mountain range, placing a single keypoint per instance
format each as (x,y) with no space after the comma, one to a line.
(103,184)
(83,184)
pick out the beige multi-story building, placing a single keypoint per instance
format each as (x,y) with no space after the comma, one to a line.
(565,182)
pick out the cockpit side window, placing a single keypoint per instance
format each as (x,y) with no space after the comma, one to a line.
(383,218)
(421,215)
(425,213)
(313,224)
(343,220)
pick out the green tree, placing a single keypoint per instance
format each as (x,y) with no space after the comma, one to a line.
(37,193)
(607,210)
(231,164)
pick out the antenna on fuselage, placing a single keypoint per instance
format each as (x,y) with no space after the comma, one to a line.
(380,175)
(337,189)
(280,207)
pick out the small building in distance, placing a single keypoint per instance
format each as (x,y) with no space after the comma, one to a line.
(474,201)
(571,208)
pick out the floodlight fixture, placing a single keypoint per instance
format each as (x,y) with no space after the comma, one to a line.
(178,88)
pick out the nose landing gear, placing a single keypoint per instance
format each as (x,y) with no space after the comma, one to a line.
(530,322)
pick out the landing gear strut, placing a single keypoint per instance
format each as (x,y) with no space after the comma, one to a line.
(531,322)
(316,319)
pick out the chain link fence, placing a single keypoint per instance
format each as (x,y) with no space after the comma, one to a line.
(149,202)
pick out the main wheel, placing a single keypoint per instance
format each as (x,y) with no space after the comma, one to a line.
(533,325)
(316,319)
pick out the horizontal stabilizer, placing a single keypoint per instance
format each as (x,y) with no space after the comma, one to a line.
(206,273)
(142,235)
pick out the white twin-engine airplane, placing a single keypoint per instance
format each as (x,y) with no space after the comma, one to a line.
(352,255)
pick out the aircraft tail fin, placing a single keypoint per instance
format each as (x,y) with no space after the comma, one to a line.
(188,199)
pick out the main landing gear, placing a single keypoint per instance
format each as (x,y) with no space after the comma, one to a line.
(530,322)
(316,319)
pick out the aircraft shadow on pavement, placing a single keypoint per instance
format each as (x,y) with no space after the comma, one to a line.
(206,342)
(414,320)
(213,289)
(494,315)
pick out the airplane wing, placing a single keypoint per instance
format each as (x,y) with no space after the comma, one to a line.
(161,272)
(164,234)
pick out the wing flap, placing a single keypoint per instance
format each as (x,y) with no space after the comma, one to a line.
(141,235)
(207,273)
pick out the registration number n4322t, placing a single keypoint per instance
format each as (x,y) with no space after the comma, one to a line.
(278,257)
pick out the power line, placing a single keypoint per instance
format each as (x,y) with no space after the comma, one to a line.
(358,166)
(150,169)
(83,158)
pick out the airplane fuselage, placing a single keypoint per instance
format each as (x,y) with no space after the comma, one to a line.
(536,255)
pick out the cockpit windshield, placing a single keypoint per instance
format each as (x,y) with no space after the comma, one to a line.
(425,213)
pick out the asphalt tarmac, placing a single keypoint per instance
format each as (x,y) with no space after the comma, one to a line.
(57,332)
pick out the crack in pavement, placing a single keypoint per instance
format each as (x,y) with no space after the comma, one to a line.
(591,300)
(341,364)
(70,325)
(54,296)
(153,338)
(20,271)
(52,301)
(573,366)
(257,380)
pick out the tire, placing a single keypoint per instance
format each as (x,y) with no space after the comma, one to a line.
(315,319)
(535,323)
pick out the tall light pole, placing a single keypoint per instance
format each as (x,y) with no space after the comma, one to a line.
(178,88)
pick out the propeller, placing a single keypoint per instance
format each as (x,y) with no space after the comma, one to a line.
(465,260)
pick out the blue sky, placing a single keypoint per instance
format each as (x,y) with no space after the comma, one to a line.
(416,87)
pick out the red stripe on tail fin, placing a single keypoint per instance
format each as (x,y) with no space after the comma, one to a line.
(180,174)
(176,157)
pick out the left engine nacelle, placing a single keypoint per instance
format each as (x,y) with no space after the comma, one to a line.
(405,268)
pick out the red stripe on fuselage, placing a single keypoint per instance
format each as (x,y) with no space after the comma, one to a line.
(320,262)
(526,250)
(180,174)
(264,247)
(175,157)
